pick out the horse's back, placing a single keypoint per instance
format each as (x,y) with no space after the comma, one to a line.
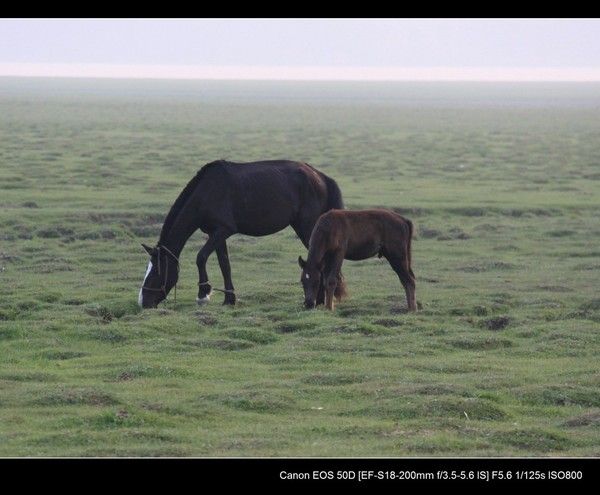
(265,196)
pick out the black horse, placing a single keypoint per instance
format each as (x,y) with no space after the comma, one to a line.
(225,198)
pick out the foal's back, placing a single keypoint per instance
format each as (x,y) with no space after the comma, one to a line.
(364,233)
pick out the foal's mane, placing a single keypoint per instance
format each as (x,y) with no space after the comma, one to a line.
(181,201)
(316,243)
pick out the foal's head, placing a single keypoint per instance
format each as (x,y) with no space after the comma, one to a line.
(311,281)
(161,275)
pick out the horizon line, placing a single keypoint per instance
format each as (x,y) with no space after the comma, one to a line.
(303,73)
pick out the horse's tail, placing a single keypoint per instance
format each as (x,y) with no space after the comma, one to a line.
(334,194)
(408,246)
(335,200)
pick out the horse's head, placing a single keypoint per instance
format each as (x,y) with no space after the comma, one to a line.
(161,275)
(311,281)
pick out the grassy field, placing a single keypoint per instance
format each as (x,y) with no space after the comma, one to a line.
(501,181)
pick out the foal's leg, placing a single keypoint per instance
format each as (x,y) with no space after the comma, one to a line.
(303,230)
(204,288)
(331,276)
(223,258)
(399,263)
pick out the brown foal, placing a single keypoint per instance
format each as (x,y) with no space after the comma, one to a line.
(356,235)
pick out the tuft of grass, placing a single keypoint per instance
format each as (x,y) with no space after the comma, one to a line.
(561,395)
(75,397)
(252,335)
(481,343)
(534,440)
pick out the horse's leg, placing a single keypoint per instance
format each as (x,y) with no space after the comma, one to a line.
(223,257)
(331,277)
(399,263)
(204,288)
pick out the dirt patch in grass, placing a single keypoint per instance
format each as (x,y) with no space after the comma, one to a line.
(362,328)
(427,233)
(349,311)
(258,402)
(291,327)
(589,310)
(438,389)
(591,418)
(587,267)
(103,314)
(108,335)
(222,344)
(110,311)
(8,257)
(554,288)
(54,232)
(28,305)
(388,322)
(496,323)
(454,408)
(487,266)
(205,319)
(468,408)
(63,355)
(29,377)
(561,396)
(333,379)
(401,310)
(454,234)
(561,233)
(466,311)
(119,419)
(74,301)
(149,371)
(66,439)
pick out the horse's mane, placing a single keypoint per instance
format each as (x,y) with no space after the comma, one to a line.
(181,201)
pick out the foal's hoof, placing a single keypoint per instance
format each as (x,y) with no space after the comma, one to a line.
(203,300)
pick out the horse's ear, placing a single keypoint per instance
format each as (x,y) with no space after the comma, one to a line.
(148,249)
(301,262)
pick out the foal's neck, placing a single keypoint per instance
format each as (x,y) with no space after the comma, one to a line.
(316,250)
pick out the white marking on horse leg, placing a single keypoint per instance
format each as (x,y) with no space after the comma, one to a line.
(203,300)
(140,295)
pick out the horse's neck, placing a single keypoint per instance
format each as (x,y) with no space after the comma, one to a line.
(179,233)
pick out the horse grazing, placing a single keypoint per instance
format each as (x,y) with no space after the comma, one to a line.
(356,235)
(225,198)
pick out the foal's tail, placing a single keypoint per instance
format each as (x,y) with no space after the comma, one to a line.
(408,243)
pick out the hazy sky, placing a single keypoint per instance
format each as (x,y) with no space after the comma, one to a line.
(375,45)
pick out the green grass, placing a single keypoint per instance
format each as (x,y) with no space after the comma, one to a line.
(502,183)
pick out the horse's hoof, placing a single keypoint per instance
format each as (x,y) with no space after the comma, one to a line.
(203,300)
